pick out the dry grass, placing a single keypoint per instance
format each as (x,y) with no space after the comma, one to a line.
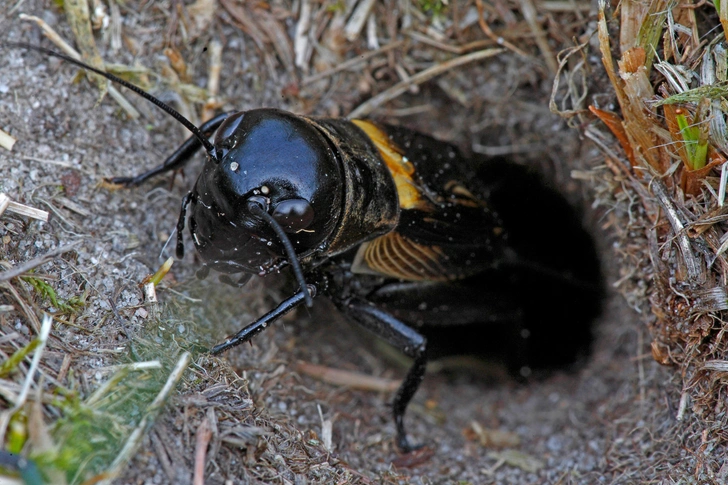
(666,64)
(95,389)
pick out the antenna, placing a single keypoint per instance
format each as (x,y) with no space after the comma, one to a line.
(256,209)
(209,147)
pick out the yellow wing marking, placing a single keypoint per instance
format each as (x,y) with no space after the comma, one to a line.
(410,197)
(462,195)
(396,256)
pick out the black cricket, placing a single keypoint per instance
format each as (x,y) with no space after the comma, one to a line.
(432,252)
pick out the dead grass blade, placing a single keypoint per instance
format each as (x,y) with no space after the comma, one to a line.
(6,141)
(672,129)
(150,413)
(53,36)
(529,13)
(370,105)
(354,380)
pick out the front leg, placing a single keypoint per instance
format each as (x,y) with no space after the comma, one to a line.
(401,336)
(253,329)
(180,157)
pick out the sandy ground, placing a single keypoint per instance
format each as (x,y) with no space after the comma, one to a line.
(613,420)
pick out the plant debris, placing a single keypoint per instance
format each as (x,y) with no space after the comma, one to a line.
(667,70)
(124,387)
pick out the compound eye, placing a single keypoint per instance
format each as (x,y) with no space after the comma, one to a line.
(293,215)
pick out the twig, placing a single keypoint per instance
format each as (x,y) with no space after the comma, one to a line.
(489,32)
(45,330)
(22,209)
(372,40)
(300,39)
(204,433)
(358,18)
(350,379)
(684,398)
(723,183)
(150,293)
(566,6)
(351,63)
(28,211)
(691,262)
(35,262)
(163,456)
(453,49)
(6,141)
(72,206)
(327,427)
(529,13)
(419,78)
(58,163)
(500,150)
(716,365)
(4,203)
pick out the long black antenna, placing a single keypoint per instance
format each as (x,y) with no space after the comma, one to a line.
(209,147)
(256,209)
